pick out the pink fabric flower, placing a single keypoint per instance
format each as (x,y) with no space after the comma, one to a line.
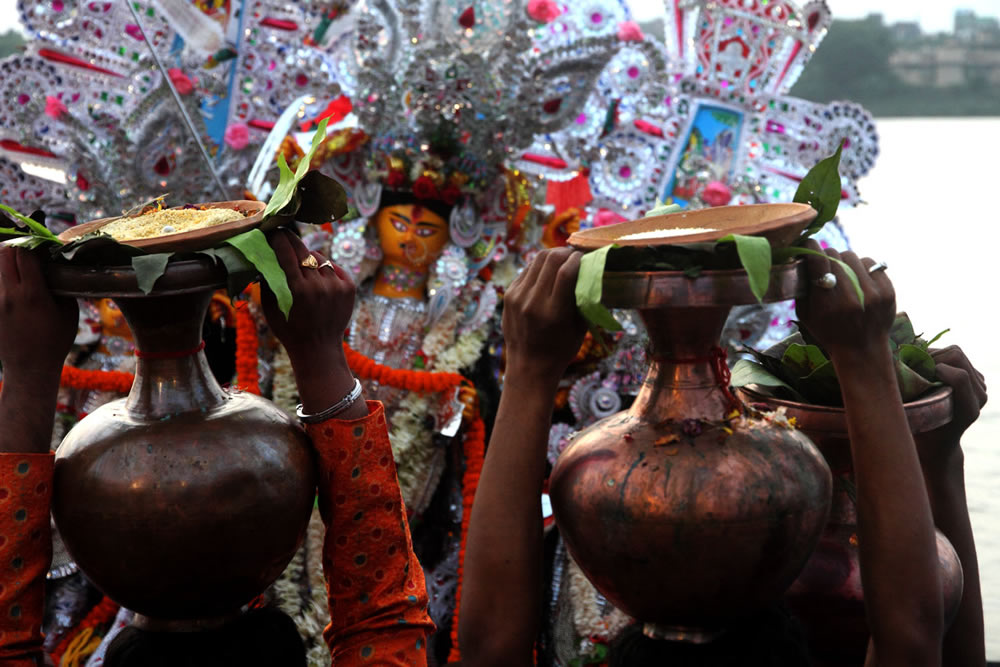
(237,136)
(716,193)
(181,81)
(543,11)
(54,107)
(605,217)
(629,31)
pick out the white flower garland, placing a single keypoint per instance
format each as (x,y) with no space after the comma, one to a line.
(588,620)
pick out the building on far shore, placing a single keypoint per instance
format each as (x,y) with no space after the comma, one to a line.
(969,56)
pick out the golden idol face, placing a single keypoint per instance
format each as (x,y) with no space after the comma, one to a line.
(411,235)
(112,320)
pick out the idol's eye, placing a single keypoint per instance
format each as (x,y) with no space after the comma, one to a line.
(425,232)
(399,225)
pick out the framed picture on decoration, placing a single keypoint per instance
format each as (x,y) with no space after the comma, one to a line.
(709,150)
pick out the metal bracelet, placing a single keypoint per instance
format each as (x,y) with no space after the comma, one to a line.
(333,410)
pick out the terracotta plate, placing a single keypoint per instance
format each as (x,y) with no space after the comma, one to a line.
(779,223)
(198,239)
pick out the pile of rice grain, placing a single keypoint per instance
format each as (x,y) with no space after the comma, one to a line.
(665,233)
(168,221)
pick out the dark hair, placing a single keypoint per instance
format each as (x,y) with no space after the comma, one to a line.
(770,638)
(259,638)
(402,197)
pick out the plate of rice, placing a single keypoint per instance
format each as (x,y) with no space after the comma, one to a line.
(179,229)
(779,223)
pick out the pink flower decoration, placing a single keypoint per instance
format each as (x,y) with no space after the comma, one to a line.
(543,11)
(716,193)
(54,108)
(181,81)
(237,136)
(629,31)
(604,217)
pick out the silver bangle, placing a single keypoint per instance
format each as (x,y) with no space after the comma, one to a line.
(333,410)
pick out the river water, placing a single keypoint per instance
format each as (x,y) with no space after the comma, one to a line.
(931,216)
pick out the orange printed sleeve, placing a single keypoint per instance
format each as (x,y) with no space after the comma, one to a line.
(25,554)
(375,586)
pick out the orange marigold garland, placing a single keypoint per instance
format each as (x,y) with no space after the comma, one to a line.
(101,615)
(422,382)
(118,382)
(474,448)
(247,377)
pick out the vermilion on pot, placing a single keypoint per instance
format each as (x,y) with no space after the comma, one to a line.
(827,596)
(184,500)
(689,535)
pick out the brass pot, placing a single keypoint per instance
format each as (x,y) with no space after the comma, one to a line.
(827,596)
(182,501)
(676,522)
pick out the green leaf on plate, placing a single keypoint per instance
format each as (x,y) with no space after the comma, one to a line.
(803,359)
(911,383)
(589,283)
(755,255)
(919,360)
(784,254)
(37,228)
(935,339)
(288,181)
(821,189)
(254,246)
(746,372)
(149,268)
(240,272)
(901,331)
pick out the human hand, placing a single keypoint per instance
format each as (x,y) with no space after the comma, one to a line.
(541,325)
(937,447)
(36,328)
(313,334)
(835,317)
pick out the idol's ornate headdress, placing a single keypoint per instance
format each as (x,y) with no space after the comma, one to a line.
(88,104)
(705,118)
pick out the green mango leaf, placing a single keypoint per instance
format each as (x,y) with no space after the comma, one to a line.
(822,386)
(918,359)
(149,268)
(821,188)
(37,228)
(28,242)
(288,181)
(935,339)
(97,248)
(784,254)
(240,272)
(746,372)
(11,231)
(901,331)
(589,284)
(912,384)
(803,360)
(255,248)
(755,255)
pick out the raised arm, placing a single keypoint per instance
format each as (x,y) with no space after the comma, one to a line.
(375,586)
(36,332)
(501,598)
(899,566)
(943,463)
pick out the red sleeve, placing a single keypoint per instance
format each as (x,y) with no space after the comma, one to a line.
(375,586)
(25,554)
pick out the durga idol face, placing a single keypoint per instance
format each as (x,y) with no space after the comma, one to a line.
(412,238)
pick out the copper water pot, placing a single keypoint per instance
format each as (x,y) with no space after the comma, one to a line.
(183,500)
(827,596)
(676,522)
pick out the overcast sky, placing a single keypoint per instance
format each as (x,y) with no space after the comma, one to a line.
(933,16)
